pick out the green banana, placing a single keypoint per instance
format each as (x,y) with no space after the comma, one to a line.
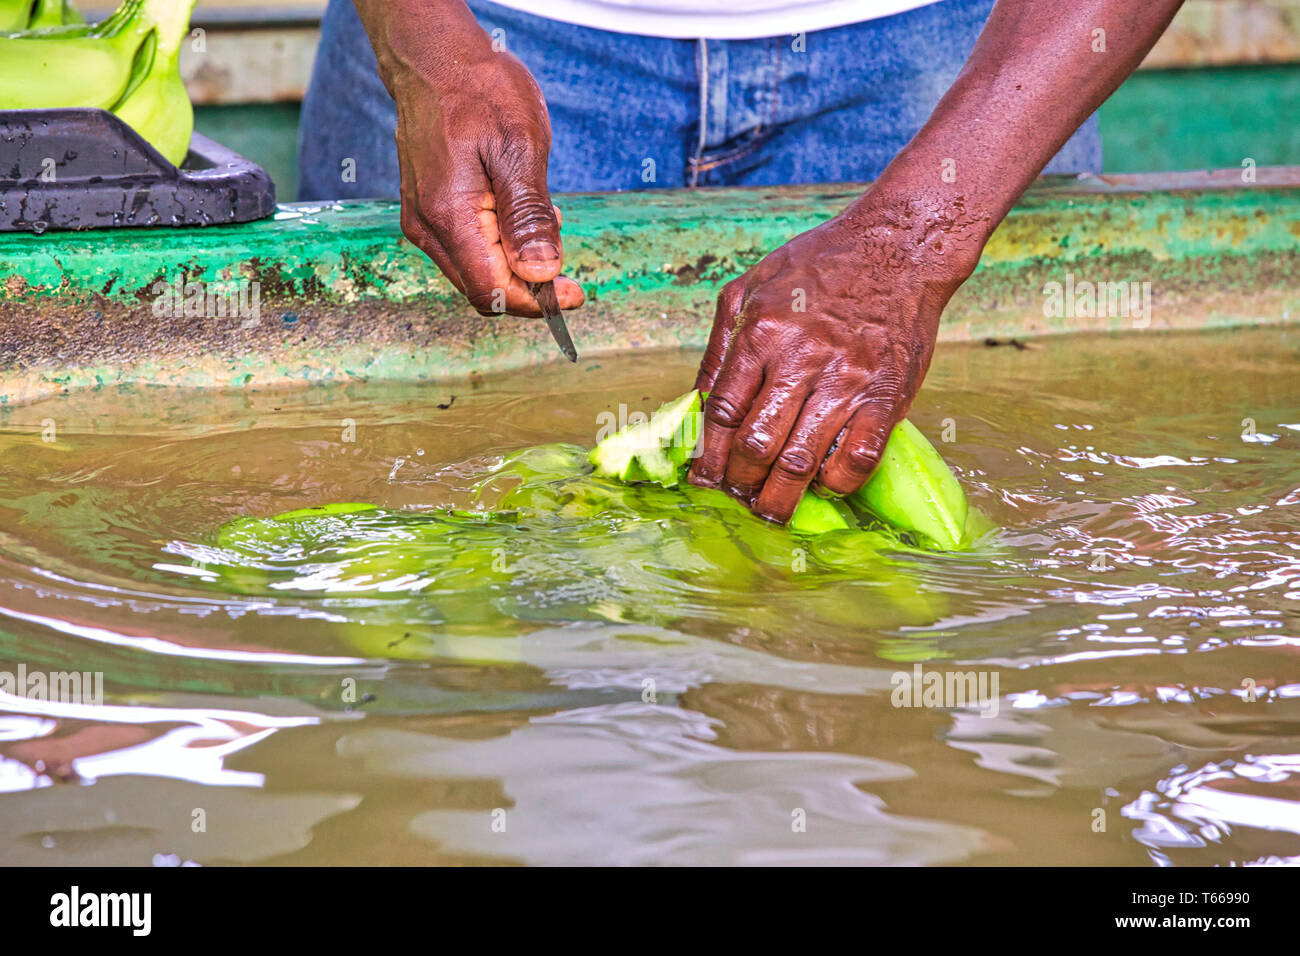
(46,13)
(914,490)
(80,72)
(70,29)
(659,450)
(36,14)
(15,14)
(816,515)
(87,70)
(654,450)
(155,102)
(129,64)
(911,490)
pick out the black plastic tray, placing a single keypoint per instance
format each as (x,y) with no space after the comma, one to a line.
(86,169)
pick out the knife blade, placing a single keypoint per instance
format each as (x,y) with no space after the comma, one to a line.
(544,293)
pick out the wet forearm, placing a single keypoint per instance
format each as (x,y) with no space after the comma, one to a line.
(429,38)
(1038,70)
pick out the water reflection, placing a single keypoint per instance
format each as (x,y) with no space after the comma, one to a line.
(1139,611)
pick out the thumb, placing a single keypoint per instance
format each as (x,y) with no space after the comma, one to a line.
(530,231)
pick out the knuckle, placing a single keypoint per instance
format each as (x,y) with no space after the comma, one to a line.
(483,299)
(798,462)
(413,227)
(518,133)
(528,210)
(732,295)
(722,412)
(756,446)
(886,386)
(765,323)
(862,456)
(517,146)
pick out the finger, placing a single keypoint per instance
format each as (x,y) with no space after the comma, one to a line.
(569,293)
(821,419)
(415,230)
(490,284)
(517,298)
(761,437)
(730,301)
(529,226)
(855,457)
(728,405)
(472,244)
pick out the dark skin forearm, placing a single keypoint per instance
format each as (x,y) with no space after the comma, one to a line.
(472,140)
(808,396)
(1030,82)
(411,37)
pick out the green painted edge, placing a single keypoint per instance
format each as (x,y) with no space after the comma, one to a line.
(344,297)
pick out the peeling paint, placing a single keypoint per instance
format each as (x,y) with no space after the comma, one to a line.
(75,307)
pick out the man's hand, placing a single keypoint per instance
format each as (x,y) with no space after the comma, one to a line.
(817,352)
(473,138)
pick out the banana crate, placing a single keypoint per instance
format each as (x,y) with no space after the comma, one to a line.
(87,169)
(97,130)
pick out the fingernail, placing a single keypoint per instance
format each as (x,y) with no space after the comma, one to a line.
(745,494)
(539,250)
(701,479)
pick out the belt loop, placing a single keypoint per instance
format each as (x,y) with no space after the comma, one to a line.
(702,66)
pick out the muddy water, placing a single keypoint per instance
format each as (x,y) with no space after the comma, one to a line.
(1131,634)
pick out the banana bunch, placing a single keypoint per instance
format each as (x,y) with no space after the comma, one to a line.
(128,63)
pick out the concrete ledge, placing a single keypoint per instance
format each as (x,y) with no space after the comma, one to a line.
(342,296)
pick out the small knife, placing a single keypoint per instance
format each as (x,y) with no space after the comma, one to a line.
(544,293)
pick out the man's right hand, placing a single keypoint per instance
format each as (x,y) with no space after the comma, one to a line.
(473,138)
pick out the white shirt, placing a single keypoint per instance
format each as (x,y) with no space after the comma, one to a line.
(713,19)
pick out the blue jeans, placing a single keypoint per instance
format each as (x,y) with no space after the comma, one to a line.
(635,112)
